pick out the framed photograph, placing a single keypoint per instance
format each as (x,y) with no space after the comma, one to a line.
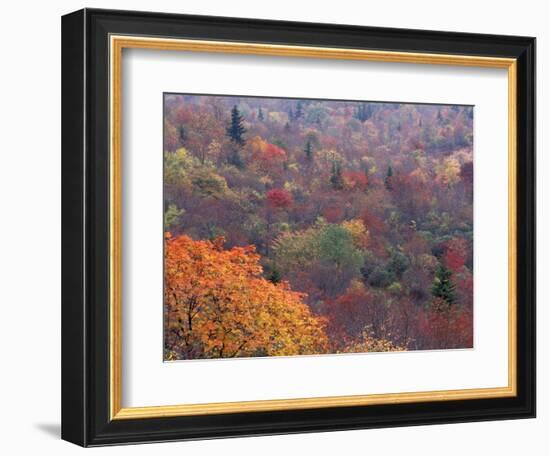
(278,227)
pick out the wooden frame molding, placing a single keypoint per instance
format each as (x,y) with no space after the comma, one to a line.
(116,46)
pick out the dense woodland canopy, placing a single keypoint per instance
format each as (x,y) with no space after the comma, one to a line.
(314,226)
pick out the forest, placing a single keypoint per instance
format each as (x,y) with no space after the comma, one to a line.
(303,227)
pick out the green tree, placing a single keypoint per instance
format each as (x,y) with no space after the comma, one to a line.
(274,275)
(443,287)
(260,114)
(339,261)
(335,245)
(177,167)
(363,112)
(299,110)
(325,253)
(172,216)
(236,129)
(206,182)
(397,264)
(291,115)
(388,181)
(183,134)
(308,149)
(336,177)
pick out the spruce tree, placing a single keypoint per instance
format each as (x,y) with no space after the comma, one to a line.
(358,114)
(389,178)
(363,112)
(299,110)
(443,287)
(183,134)
(275,275)
(236,129)
(336,177)
(260,114)
(308,150)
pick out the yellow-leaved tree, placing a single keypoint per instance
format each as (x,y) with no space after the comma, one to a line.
(218,305)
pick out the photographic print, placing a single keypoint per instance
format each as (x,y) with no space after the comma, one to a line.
(251,201)
(311,227)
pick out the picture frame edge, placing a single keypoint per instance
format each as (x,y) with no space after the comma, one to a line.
(86,408)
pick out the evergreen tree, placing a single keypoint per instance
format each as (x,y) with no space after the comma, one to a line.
(299,110)
(290,115)
(443,287)
(389,178)
(439,116)
(275,275)
(236,129)
(260,114)
(336,177)
(358,112)
(308,150)
(183,134)
(363,112)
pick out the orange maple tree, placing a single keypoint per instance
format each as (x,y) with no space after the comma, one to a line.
(218,304)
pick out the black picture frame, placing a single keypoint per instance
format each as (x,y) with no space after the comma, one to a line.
(85,225)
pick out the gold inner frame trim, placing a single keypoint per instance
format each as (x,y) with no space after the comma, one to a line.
(117,44)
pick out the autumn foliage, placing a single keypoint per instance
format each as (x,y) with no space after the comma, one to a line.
(316,226)
(278,198)
(218,305)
